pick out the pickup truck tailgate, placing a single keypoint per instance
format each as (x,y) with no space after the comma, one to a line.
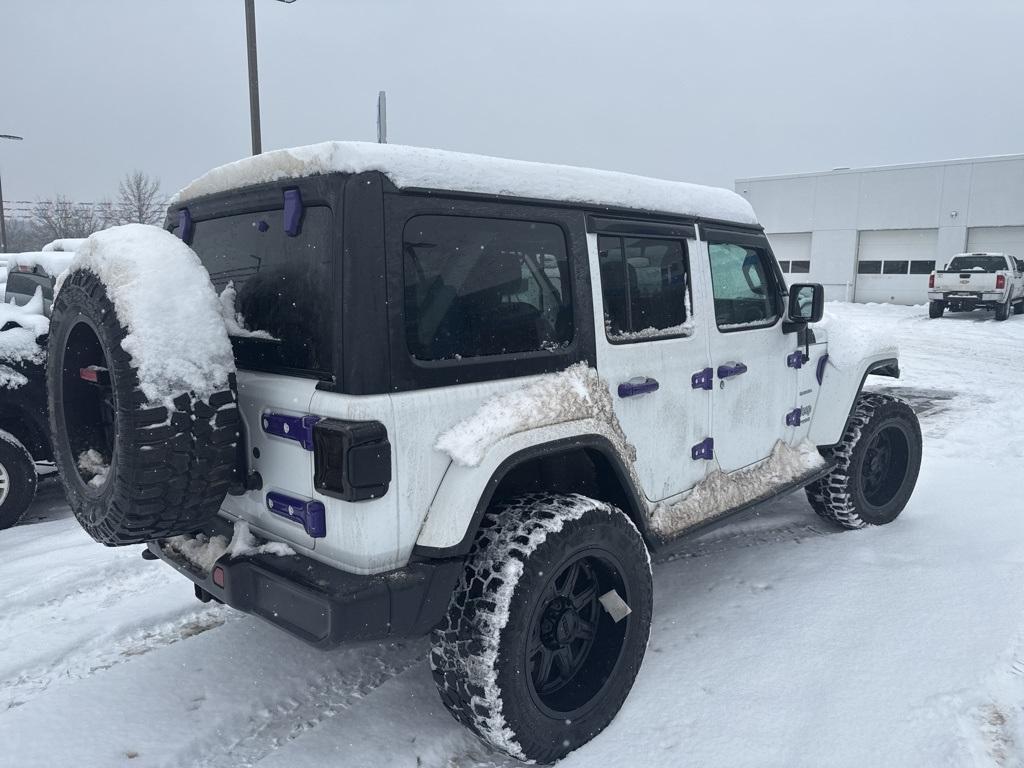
(972,282)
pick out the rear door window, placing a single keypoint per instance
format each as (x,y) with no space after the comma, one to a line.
(283,285)
(480,286)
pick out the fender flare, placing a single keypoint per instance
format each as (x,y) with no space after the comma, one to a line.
(588,440)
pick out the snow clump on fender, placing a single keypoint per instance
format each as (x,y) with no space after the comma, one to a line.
(140,375)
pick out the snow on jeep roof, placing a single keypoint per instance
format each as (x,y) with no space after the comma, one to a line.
(417,167)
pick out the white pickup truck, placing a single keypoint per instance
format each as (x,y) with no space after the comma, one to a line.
(973,280)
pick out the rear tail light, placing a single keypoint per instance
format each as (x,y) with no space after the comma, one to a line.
(931,280)
(218,576)
(1000,282)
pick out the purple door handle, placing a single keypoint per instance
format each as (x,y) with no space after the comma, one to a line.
(728,370)
(640,385)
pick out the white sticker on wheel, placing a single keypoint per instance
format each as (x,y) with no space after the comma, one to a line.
(615,605)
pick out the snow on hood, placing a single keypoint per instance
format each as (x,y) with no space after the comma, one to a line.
(575,393)
(54,262)
(456,171)
(176,336)
(20,343)
(720,491)
(850,344)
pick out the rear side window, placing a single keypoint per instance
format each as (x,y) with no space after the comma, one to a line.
(743,286)
(645,286)
(283,285)
(478,286)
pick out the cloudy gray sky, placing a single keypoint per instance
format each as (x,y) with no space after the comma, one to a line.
(698,91)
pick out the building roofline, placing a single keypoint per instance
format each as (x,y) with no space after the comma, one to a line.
(876,168)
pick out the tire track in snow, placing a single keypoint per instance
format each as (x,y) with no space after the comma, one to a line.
(104,653)
(332,695)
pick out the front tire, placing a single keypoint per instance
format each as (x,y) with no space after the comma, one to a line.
(529,657)
(936,309)
(877,460)
(17,480)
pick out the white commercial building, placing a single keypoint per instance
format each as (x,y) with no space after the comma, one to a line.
(874,234)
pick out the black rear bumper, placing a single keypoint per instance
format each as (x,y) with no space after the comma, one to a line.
(323,605)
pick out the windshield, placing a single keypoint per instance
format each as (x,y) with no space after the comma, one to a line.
(281,286)
(977,263)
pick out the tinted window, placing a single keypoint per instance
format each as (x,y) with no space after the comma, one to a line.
(922,267)
(979,263)
(869,268)
(784,266)
(645,285)
(895,268)
(476,287)
(283,285)
(801,267)
(745,293)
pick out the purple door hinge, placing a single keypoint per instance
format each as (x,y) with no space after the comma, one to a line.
(821,367)
(793,417)
(797,359)
(705,450)
(297,428)
(309,514)
(703,379)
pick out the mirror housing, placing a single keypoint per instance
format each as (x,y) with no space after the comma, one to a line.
(806,303)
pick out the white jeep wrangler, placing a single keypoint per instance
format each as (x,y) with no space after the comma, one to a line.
(475,395)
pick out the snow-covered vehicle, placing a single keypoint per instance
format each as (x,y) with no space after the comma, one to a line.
(978,280)
(37,271)
(24,432)
(463,396)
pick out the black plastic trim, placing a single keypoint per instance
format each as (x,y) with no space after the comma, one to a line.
(325,606)
(597,443)
(606,225)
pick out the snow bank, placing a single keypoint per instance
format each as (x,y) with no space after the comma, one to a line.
(65,244)
(575,393)
(204,551)
(20,343)
(53,262)
(456,171)
(719,491)
(850,343)
(176,334)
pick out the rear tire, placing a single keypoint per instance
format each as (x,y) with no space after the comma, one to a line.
(17,480)
(1003,311)
(877,461)
(527,657)
(936,309)
(152,473)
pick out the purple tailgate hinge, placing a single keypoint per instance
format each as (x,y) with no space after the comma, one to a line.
(793,417)
(705,450)
(185,225)
(703,379)
(297,428)
(292,212)
(309,514)
(797,359)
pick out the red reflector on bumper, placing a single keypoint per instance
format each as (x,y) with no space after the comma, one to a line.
(89,374)
(218,576)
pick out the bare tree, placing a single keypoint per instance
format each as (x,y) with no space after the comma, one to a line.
(61,217)
(23,235)
(139,200)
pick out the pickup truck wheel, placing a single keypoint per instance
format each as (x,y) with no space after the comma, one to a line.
(17,480)
(535,655)
(1003,311)
(877,463)
(133,471)
(936,309)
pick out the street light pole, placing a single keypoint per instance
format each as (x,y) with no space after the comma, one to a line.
(3,220)
(254,80)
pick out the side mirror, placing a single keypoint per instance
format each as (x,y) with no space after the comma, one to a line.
(806,302)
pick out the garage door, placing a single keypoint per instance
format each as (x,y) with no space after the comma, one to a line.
(893,265)
(793,250)
(996,240)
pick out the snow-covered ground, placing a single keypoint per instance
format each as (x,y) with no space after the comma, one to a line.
(777,640)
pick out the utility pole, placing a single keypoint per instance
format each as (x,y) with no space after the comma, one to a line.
(254,80)
(3,220)
(382,117)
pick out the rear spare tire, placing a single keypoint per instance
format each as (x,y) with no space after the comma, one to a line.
(133,470)
(17,480)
